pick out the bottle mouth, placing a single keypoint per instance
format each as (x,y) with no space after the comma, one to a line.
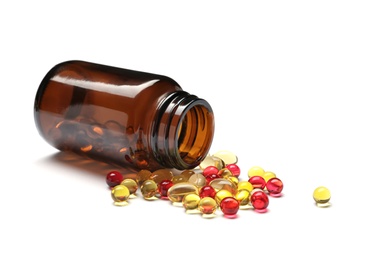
(184,132)
(194,134)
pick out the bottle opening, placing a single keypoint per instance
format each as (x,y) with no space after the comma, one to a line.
(195,133)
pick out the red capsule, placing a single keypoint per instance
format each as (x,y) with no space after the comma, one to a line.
(235,170)
(114,178)
(163,188)
(210,170)
(207,191)
(274,187)
(211,177)
(229,206)
(259,200)
(257,182)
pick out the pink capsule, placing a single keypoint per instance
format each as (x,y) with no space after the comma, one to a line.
(274,187)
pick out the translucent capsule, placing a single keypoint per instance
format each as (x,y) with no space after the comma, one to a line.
(256,171)
(225,173)
(191,202)
(234,169)
(234,180)
(179,178)
(274,187)
(223,184)
(143,175)
(207,206)
(321,196)
(198,180)
(114,178)
(220,195)
(244,198)
(229,206)
(268,175)
(207,191)
(163,188)
(226,156)
(120,195)
(131,185)
(211,177)
(244,185)
(187,173)
(212,161)
(259,200)
(149,189)
(160,175)
(177,192)
(257,182)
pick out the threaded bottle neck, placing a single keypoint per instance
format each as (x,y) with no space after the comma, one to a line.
(183,131)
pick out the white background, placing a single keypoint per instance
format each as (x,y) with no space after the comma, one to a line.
(300,88)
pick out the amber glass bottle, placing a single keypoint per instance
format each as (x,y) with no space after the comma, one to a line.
(133,119)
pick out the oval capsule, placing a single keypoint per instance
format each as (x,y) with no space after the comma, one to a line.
(178,191)
(223,184)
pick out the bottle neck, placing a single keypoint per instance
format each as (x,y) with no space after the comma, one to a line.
(183,131)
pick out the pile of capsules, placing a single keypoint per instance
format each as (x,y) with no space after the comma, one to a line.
(214,185)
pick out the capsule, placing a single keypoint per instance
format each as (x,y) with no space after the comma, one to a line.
(223,184)
(161,175)
(198,180)
(178,191)
(226,156)
(212,161)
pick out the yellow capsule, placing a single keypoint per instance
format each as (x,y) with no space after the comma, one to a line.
(198,180)
(120,194)
(207,206)
(187,173)
(268,175)
(245,185)
(149,190)
(212,161)
(223,184)
(233,179)
(321,196)
(179,178)
(226,156)
(243,197)
(177,192)
(191,202)
(161,175)
(220,195)
(256,171)
(131,185)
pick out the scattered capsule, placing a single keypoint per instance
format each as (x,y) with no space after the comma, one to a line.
(225,173)
(163,188)
(212,161)
(257,182)
(256,171)
(274,187)
(234,169)
(149,189)
(229,206)
(143,175)
(187,174)
(226,156)
(131,185)
(160,175)
(177,192)
(259,200)
(268,175)
(191,202)
(223,184)
(321,196)
(234,180)
(220,195)
(207,206)
(120,194)
(198,180)
(244,198)
(245,185)
(210,170)
(207,191)
(114,178)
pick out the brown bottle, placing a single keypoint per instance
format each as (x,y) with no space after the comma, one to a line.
(129,118)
